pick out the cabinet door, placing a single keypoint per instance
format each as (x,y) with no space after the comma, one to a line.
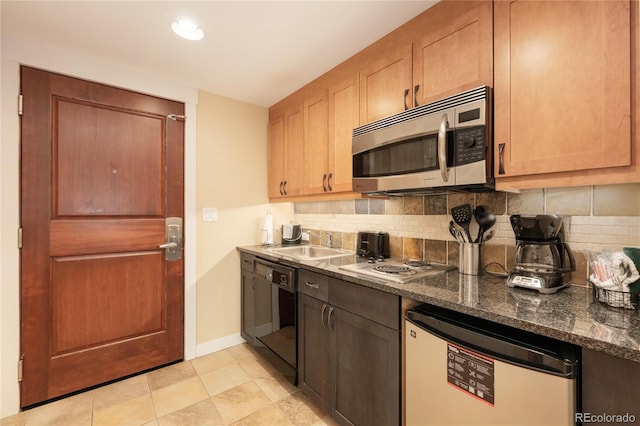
(609,384)
(385,83)
(294,148)
(455,52)
(343,118)
(562,86)
(276,157)
(248,310)
(314,373)
(316,149)
(366,369)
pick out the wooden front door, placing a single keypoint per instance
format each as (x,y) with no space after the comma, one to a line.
(101,170)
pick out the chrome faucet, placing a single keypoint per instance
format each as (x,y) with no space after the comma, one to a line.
(328,242)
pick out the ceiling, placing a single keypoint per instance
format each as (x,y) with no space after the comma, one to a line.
(253,51)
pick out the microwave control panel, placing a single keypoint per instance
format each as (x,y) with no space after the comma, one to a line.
(470,145)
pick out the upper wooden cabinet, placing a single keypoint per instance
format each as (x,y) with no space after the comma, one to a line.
(285,153)
(563,93)
(316,146)
(343,118)
(445,50)
(329,119)
(385,82)
(454,52)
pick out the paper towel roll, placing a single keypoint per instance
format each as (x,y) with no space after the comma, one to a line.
(267,229)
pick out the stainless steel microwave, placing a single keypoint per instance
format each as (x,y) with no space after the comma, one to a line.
(442,146)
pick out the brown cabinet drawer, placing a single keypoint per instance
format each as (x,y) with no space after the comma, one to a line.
(315,285)
(378,306)
(246,262)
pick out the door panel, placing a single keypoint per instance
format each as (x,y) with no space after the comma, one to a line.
(102,289)
(98,148)
(101,169)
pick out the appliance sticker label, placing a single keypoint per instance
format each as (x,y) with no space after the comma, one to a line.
(471,372)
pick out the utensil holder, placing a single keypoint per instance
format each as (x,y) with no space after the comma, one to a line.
(470,259)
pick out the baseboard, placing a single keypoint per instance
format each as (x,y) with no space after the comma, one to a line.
(218,344)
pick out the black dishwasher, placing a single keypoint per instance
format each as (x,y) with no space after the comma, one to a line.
(275,316)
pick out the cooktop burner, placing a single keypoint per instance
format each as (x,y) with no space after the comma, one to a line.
(396,270)
(418,264)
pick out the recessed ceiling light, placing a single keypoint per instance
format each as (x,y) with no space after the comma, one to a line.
(187,29)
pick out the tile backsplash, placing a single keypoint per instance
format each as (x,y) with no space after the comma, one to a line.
(596,218)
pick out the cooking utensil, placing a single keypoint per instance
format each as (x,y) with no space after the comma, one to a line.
(456,232)
(462,216)
(485,221)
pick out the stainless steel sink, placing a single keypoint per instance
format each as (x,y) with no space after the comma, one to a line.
(311,252)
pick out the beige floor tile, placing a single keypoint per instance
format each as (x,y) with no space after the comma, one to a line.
(137,411)
(241,351)
(256,367)
(325,421)
(153,422)
(74,410)
(275,386)
(17,420)
(300,410)
(240,401)
(224,378)
(203,413)
(212,361)
(179,395)
(121,391)
(170,375)
(270,415)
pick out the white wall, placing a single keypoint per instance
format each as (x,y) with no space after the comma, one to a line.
(14,53)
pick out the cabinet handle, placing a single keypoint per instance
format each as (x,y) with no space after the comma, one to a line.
(281,184)
(501,158)
(324,179)
(284,188)
(324,307)
(406,93)
(329,182)
(442,147)
(329,320)
(312,285)
(415,95)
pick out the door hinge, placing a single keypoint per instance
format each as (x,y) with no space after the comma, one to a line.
(20,100)
(20,364)
(19,238)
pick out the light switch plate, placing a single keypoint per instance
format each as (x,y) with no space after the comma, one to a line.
(209,214)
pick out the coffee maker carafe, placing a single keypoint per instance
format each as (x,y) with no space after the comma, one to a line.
(542,255)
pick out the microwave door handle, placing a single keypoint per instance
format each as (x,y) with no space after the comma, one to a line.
(442,147)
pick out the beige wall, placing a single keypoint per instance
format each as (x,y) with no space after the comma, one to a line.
(232,177)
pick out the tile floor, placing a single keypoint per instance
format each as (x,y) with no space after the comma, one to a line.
(234,386)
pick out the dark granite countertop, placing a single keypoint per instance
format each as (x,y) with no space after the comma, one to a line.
(571,315)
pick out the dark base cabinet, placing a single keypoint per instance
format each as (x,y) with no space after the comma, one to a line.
(349,350)
(610,386)
(248,326)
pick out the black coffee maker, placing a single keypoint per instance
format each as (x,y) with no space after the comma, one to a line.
(542,255)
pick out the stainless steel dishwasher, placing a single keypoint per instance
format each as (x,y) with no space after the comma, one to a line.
(462,370)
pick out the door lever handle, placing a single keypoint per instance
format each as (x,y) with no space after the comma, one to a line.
(168,245)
